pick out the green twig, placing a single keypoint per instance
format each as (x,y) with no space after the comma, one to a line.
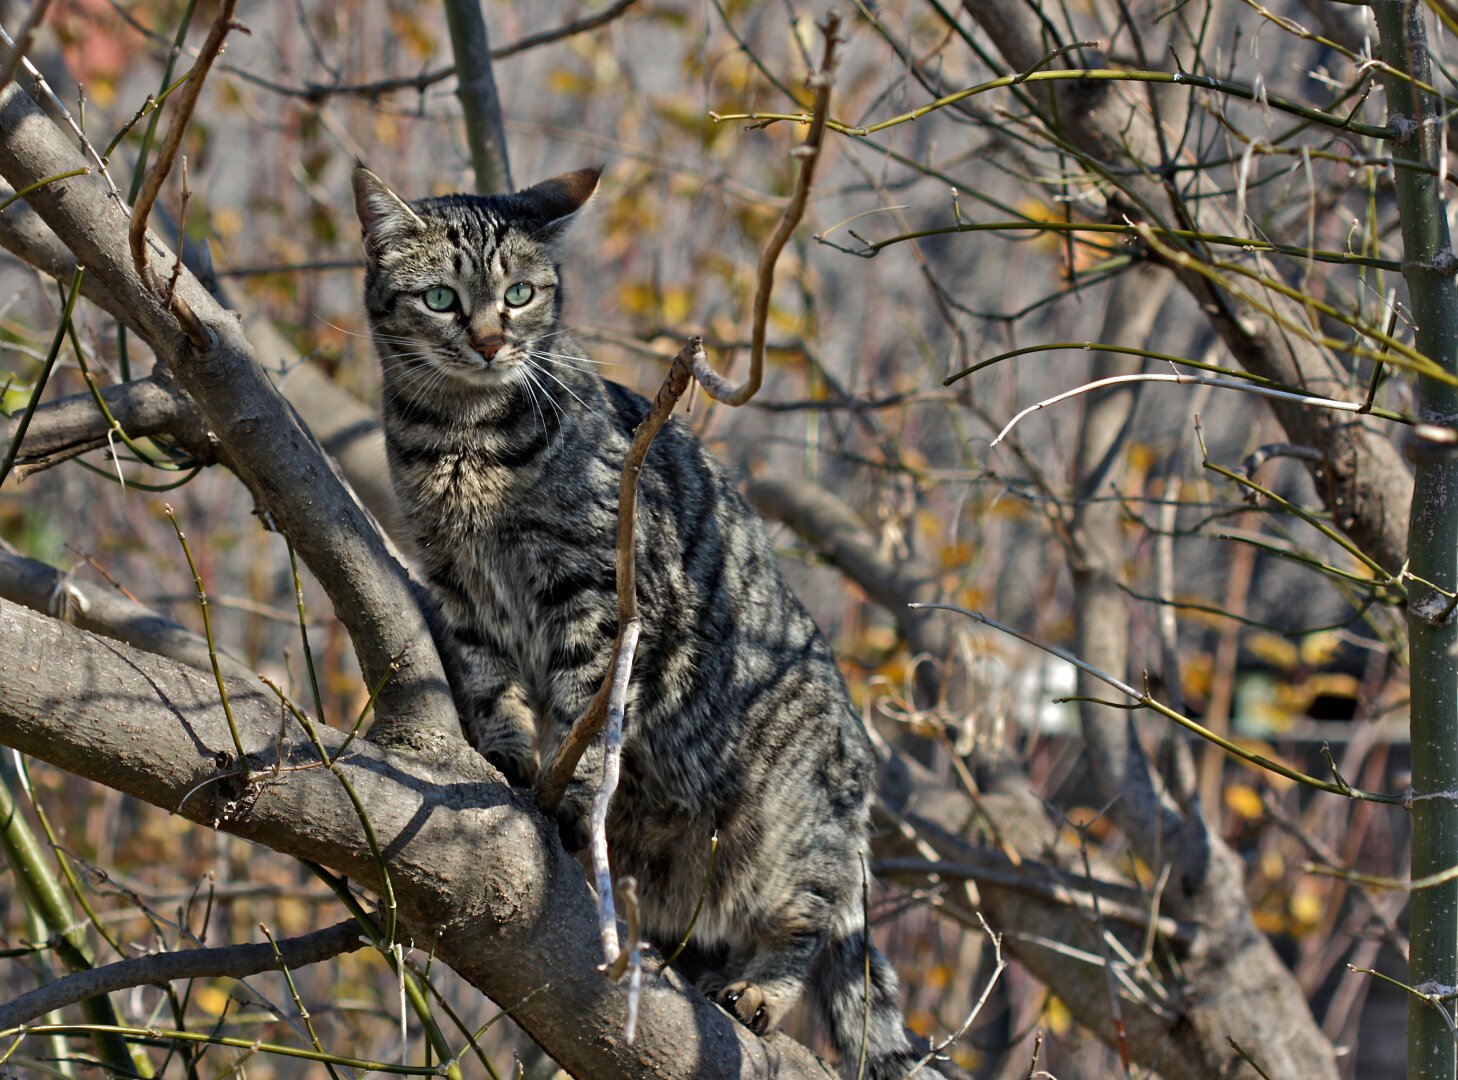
(57,341)
(202,603)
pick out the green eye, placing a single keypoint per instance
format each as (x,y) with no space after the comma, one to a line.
(440,298)
(519,294)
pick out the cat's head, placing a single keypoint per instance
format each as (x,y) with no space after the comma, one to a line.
(465,286)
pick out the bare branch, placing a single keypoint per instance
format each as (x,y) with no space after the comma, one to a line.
(230,961)
(480,103)
(553,779)
(807,153)
(72,425)
(22,40)
(137,232)
(105,611)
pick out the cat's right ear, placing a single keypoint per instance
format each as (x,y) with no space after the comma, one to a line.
(383,216)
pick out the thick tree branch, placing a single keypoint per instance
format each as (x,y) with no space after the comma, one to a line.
(232,961)
(272,452)
(478,874)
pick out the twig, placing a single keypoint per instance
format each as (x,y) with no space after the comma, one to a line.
(202,603)
(808,153)
(181,235)
(998,968)
(314,93)
(1196,380)
(13,450)
(621,671)
(232,961)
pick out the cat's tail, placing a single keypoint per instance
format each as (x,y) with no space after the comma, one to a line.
(861,1028)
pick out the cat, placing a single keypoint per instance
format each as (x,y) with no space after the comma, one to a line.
(506,452)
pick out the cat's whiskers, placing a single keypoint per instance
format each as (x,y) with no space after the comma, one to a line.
(534,387)
(531,360)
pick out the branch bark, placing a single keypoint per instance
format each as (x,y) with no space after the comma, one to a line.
(478,873)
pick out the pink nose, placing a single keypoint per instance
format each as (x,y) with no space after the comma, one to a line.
(488,346)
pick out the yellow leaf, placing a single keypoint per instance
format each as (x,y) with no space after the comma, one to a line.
(1269,922)
(1057,1017)
(1243,801)
(210,1000)
(565,81)
(1319,648)
(1306,906)
(1274,650)
(1273,865)
(228,221)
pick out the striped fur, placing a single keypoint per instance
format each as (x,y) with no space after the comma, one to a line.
(506,455)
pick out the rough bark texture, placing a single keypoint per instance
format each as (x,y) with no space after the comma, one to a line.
(477,872)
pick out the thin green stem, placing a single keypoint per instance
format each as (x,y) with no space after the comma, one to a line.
(1246,243)
(298,1001)
(376,852)
(202,603)
(13,451)
(151,1035)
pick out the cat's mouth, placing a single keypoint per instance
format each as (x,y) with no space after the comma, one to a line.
(474,369)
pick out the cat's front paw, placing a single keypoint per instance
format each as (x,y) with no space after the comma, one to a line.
(749,1004)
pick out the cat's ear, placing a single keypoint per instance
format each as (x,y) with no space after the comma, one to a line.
(554,201)
(383,215)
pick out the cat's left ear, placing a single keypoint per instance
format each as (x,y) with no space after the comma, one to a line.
(383,215)
(555,201)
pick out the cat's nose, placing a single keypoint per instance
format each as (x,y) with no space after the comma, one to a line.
(488,345)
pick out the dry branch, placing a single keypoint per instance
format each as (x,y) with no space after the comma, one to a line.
(807,154)
(554,778)
(212,47)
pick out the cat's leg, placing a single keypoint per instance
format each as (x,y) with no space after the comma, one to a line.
(771,980)
(495,714)
(576,679)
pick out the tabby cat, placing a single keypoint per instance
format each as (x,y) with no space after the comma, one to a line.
(506,452)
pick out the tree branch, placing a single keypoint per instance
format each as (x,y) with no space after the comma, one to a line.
(231,961)
(475,869)
(480,102)
(105,611)
(271,451)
